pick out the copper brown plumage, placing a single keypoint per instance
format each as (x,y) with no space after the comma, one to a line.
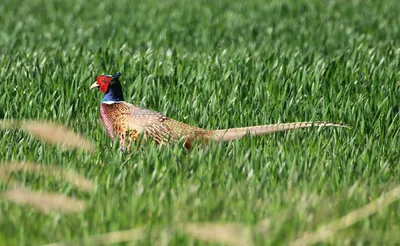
(128,121)
(124,119)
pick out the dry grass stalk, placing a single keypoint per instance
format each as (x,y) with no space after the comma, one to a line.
(55,134)
(9,124)
(229,233)
(107,238)
(263,226)
(79,181)
(349,219)
(50,133)
(45,202)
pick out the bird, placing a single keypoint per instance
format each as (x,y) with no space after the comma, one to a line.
(126,121)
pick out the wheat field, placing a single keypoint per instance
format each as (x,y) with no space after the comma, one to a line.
(212,64)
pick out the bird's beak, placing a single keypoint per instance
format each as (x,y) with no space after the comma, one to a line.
(94,85)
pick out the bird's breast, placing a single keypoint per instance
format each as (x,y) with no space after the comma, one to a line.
(111,118)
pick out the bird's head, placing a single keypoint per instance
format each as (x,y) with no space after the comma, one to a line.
(103,82)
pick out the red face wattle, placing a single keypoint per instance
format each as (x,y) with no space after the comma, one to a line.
(103,81)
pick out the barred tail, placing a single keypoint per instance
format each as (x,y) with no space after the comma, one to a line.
(236,133)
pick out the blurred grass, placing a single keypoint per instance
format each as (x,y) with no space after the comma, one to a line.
(215,64)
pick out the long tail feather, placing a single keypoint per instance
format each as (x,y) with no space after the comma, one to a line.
(236,133)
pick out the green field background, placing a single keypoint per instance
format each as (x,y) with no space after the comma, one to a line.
(216,65)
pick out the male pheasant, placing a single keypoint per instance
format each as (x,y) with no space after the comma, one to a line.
(128,121)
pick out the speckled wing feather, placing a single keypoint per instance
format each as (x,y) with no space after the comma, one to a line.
(159,127)
(123,118)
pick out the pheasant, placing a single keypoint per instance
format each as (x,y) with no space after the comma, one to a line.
(127,121)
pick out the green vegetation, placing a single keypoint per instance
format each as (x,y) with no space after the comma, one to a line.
(215,64)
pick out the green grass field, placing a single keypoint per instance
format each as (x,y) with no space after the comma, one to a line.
(214,65)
